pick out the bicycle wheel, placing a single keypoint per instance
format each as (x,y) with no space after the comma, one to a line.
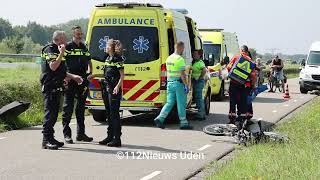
(275,85)
(282,86)
(220,129)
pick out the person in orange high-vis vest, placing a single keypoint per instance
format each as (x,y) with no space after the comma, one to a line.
(239,108)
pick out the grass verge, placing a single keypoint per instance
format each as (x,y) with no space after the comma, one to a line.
(28,91)
(298,159)
(19,74)
(12,60)
(21,83)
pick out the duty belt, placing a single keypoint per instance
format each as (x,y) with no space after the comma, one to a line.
(57,90)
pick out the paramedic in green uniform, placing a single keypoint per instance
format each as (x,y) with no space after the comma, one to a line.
(199,71)
(177,88)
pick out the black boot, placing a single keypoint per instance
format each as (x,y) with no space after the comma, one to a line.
(59,144)
(68,140)
(115,143)
(84,137)
(49,144)
(106,140)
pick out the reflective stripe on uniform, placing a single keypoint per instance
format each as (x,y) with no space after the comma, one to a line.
(77,52)
(49,56)
(114,64)
(239,73)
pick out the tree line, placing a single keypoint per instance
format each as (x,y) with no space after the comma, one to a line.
(30,38)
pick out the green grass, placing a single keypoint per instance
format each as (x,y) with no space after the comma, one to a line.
(21,83)
(19,74)
(11,60)
(298,159)
(28,91)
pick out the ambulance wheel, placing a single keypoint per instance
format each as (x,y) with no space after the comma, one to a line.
(99,115)
(220,96)
(207,102)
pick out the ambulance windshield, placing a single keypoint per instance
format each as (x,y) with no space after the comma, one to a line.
(212,50)
(140,44)
(314,58)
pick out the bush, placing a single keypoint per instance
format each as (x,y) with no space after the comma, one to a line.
(26,91)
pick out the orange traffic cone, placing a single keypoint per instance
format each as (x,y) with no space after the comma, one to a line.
(286,94)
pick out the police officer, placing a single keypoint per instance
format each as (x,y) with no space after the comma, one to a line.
(78,62)
(52,77)
(112,91)
(177,88)
(239,86)
(199,71)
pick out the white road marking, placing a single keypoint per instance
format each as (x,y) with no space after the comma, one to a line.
(260,119)
(2,138)
(295,100)
(274,111)
(72,123)
(286,105)
(301,97)
(204,147)
(152,175)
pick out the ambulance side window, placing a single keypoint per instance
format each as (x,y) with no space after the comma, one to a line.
(171,41)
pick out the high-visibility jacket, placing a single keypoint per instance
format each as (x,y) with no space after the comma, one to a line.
(197,69)
(242,70)
(175,64)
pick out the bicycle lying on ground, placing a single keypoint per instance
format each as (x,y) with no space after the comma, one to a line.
(245,133)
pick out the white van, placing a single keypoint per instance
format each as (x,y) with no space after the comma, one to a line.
(309,79)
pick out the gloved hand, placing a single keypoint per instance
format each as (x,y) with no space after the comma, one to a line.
(186,89)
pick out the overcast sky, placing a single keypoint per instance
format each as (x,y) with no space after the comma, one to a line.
(288,25)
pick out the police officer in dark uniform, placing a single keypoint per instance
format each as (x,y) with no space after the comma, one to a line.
(112,91)
(52,78)
(78,61)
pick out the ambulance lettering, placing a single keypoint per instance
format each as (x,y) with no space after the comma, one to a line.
(126,21)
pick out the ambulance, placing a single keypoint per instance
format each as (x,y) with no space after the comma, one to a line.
(148,33)
(219,47)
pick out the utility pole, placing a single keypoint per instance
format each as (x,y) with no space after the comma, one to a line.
(273,51)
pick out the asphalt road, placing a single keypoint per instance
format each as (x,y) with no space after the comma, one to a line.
(147,152)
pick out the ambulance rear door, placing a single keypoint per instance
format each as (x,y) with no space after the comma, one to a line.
(180,29)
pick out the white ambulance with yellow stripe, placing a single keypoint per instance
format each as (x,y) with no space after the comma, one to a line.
(148,33)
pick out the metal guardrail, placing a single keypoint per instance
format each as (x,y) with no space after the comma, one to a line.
(19,55)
